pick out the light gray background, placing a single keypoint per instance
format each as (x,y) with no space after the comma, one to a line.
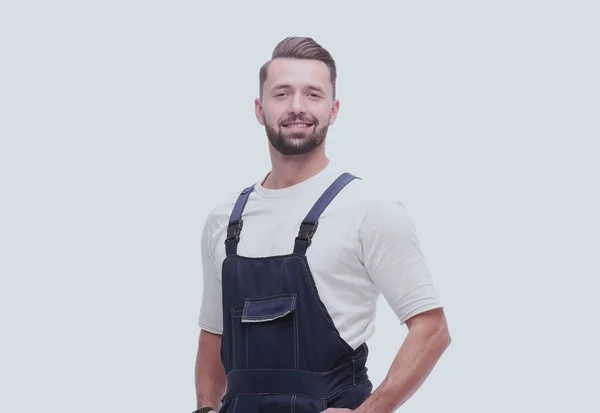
(123,122)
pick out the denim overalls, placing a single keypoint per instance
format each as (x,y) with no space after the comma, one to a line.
(280,349)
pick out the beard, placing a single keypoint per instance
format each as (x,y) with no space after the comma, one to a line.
(288,142)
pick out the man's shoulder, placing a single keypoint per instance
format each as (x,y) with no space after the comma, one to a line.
(367,194)
(219,215)
(224,205)
(372,204)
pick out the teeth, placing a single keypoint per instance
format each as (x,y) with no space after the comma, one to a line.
(298,125)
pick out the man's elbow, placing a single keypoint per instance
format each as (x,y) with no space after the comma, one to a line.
(433,327)
(443,335)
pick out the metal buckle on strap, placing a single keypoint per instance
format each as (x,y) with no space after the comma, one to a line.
(234,231)
(306,232)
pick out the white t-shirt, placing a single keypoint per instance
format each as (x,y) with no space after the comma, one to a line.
(365,245)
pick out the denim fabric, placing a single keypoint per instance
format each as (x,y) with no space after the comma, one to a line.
(280,349)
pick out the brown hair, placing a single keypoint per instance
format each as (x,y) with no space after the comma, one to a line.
(299,48)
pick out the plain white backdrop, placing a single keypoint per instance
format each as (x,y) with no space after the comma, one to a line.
(123,122)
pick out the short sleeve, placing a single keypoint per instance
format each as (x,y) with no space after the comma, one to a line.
(211,316)
(394,260)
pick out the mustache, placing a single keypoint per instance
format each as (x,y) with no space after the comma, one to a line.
(299,119)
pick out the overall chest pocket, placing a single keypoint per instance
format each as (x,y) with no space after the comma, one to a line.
(266,333)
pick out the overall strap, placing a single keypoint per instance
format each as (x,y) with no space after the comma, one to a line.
(311,222)
(235,221)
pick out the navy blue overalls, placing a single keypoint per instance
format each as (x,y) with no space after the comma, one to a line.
(280,349)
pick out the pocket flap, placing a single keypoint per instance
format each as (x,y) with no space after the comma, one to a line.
(257,310)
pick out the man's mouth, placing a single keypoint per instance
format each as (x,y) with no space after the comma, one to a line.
(297,125)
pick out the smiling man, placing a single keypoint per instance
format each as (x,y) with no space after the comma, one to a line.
(295,131)
(293,266)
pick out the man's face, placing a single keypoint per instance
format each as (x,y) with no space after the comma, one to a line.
(297,106)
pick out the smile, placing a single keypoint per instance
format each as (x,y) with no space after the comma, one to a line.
(297,125)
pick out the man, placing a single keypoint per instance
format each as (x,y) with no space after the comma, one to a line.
(293,266)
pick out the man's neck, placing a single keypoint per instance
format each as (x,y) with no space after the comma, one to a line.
(291,170)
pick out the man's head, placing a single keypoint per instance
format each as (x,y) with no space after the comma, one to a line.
(297,96)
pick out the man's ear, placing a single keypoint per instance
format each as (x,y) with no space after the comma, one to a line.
(259,112)
(334,111)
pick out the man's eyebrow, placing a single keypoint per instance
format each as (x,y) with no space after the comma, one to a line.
(281,86)
(316,88)
(287,86)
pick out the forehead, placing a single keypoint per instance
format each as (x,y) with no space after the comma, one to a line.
(299,73)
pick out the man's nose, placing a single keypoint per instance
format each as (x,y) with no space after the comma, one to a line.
(297,105)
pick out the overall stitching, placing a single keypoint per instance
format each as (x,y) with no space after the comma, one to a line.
(322,373)
(329,396)
(296,342)
(246,333)
(233,340)
(253,300)
(325,399)
(272,316)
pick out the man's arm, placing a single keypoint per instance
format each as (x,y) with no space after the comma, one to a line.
(210,374)
(209,370)
(393,258)
(427,339)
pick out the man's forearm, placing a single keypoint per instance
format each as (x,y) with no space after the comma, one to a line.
(208,391)
(425,343)
(209,373)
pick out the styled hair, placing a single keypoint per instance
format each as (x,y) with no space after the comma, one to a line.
(299,48)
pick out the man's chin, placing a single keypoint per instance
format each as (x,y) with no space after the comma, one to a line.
(297,152)
(297,137)
(293,146)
